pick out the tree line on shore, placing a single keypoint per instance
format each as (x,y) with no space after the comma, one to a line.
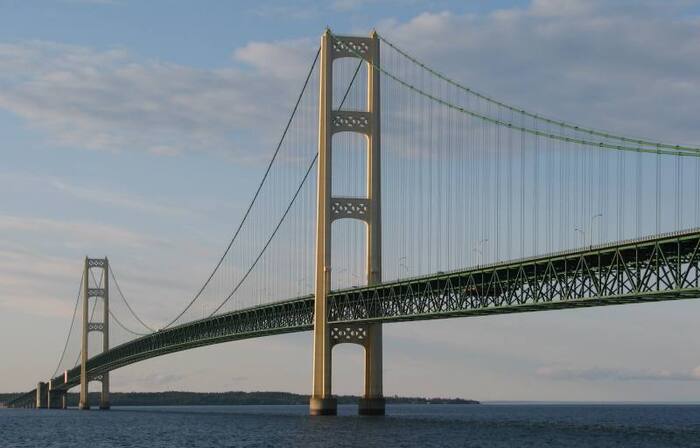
(175,398)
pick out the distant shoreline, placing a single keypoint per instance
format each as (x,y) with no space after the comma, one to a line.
(179,398)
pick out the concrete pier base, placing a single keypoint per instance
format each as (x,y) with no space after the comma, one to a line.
(372,402)
(42,391)
(57,399)
(104,396)
(323,406)
(371,406)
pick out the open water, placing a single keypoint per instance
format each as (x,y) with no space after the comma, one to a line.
(486,425)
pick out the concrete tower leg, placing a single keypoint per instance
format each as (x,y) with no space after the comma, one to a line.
(372,403)
(84,402)
(104,397)
(322,402)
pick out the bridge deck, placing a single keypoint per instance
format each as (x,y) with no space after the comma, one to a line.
(664,267)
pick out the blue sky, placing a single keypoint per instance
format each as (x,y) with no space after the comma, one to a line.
(140,129)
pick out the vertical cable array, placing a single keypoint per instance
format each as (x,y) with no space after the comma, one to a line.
(255,269)
(264,281)
(557,185)
(65,355)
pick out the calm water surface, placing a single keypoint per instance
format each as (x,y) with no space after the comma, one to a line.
(405,426)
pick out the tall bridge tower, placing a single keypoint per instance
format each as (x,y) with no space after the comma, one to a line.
(97,291)
(330,208)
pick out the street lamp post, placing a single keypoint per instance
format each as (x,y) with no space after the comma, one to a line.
(582,231)
(480,250)
(598,215)
(403,265)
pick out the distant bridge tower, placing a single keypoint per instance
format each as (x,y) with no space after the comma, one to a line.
(329,208)
(96,292)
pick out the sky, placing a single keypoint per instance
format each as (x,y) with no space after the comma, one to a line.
(139,130)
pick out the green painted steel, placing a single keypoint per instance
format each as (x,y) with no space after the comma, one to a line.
(27,400)
(665,267)
(645,270)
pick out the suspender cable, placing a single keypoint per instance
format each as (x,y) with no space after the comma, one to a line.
(570,126)
(72,324)
(255,196)
(675,150)
(286,212)
(135,333)
(121,294)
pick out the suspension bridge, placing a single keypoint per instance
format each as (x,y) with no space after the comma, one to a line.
(396,193)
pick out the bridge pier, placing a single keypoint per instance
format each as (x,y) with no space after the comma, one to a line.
(373,403)
(323,406)
(56,398)
(104,396)
(330,208)
(42,395)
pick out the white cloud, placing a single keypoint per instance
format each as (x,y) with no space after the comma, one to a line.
(559,8)
(164,150)
(21,292)
(94,2)
(108,198)
(115,199)
(36,305)
(608,374)
(78,233)
(112,100)
(294,11)
(630,68)
(349,5)
(35,280)
(603,64)
(285,60)
(151,381)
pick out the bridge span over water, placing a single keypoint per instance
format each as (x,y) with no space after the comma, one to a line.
(468,181)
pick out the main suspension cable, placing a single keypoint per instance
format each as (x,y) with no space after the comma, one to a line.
(72,324)
(135,333)
(289,207)
(92,314)
(111,313)
(116,283)
(562,124)
(255,196)
(523,129)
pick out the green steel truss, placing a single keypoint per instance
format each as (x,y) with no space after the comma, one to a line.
(283,317)
(645,270)
(26,400)
(665,267)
